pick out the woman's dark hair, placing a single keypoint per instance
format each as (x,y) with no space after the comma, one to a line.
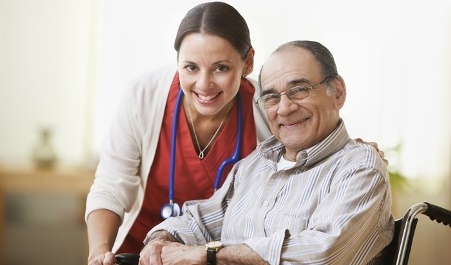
(219,19)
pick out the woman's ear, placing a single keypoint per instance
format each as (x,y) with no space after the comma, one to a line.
(340,92)
(249,63)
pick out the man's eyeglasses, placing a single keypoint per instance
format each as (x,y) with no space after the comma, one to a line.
(296,93)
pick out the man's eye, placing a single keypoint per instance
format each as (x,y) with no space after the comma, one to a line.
(272,97)
(298,89)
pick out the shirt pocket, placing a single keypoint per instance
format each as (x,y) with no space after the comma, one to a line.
(294,224)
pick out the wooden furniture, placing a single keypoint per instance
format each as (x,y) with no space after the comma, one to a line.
(26,180)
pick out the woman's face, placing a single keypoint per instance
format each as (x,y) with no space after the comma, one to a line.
(210,71)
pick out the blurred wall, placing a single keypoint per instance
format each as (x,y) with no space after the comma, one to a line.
(47,68)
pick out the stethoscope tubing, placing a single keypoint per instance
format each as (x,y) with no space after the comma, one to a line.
(233,159)
(236,155)
(174,138)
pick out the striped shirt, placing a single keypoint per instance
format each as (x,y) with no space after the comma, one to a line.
(332,207)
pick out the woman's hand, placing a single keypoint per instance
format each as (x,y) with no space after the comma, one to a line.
(375,146)
(102,259)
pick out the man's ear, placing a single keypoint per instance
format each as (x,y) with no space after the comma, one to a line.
(340,92)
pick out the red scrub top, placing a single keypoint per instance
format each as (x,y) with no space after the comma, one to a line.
(193,178)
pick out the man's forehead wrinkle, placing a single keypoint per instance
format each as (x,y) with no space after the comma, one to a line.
(284,81)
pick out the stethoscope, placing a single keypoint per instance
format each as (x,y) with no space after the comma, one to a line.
(173,209)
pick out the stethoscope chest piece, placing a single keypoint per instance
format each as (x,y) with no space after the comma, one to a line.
(170,210)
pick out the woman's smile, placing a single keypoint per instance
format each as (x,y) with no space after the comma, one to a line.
(207,98)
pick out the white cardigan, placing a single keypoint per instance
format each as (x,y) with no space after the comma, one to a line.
(129,148)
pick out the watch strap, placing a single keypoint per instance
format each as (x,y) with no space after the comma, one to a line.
(211,256)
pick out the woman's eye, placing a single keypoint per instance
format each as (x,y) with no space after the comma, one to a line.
(222,68)
(191,68)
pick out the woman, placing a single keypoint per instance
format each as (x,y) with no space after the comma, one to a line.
(214,55)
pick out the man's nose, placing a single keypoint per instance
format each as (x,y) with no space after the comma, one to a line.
(285,104)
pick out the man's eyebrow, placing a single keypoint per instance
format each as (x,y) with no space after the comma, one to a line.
(268,91)
(289,84)
(298,82)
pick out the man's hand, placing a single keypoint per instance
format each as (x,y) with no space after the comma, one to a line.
(151,253)
(159,252)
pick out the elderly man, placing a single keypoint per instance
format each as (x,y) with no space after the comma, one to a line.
(307,195)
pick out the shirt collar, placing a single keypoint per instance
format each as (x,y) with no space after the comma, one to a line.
(271,149)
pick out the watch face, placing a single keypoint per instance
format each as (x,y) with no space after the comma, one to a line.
(214,244)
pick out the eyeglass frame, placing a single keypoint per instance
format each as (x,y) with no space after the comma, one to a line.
(309,88)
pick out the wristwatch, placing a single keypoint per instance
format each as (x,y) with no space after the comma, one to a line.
(212,247)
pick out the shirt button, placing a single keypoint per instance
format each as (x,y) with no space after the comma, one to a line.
(265,203)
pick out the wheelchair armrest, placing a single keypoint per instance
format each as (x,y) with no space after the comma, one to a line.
(127,259)
(439,214)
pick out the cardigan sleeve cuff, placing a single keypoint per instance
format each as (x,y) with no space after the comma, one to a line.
(97,201)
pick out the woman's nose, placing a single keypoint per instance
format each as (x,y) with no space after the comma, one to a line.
(204,80)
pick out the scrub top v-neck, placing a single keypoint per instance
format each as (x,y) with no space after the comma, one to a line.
(194,178)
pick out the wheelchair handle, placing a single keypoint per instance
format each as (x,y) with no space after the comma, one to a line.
(127,259)
(437,213)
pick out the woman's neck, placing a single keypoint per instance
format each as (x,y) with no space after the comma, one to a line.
(204,129)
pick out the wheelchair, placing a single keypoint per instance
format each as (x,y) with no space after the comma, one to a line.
(397,252)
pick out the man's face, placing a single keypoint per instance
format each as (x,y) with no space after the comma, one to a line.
(300,124)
